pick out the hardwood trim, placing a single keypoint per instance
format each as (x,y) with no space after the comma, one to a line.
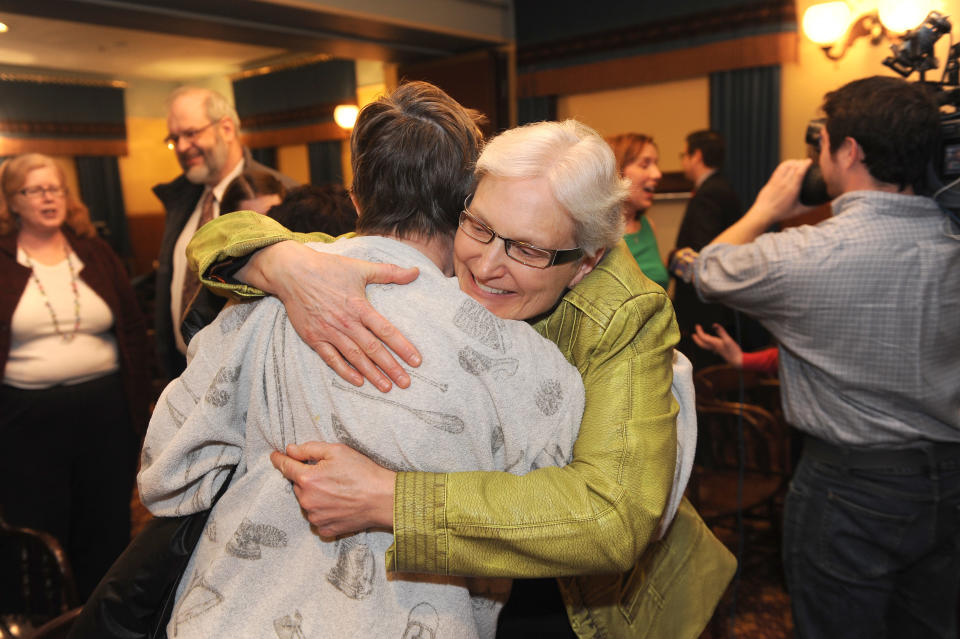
(674,182)
(707,23)
(322,111)
(752,51)
(146,230)
(322,132)
(49,78)
(107,129)
(47,146)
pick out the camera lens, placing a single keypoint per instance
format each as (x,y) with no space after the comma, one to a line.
(813,190)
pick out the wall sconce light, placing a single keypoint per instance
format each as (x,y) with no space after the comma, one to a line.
(345,115)
(829,24)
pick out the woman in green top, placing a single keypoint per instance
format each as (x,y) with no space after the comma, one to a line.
(637,158)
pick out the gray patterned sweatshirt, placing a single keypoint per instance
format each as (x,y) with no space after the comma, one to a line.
(491,394)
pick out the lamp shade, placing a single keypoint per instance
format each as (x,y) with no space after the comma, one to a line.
(345,115)
(824,23)
(902,15)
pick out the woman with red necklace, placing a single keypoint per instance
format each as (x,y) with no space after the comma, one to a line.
(74,360)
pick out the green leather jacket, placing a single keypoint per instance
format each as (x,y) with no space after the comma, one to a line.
(590,522)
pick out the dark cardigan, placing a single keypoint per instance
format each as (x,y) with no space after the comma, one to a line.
(102,272)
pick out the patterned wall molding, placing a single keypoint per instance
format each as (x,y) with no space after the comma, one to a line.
(729,22)
(752,51)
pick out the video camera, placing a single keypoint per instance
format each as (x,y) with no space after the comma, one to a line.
(914,53)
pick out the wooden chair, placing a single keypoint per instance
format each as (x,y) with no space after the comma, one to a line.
(735,438)
(58,627)
(36,581)
(722,382)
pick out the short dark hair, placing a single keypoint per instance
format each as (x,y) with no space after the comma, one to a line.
(309,208)
(248,185)
(897,123)
(413,153)
(711,147)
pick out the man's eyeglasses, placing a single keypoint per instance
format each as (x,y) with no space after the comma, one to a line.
(40,192)
(526,254)
(189,135)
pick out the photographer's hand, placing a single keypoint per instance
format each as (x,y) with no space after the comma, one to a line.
(777,201)
(324,295)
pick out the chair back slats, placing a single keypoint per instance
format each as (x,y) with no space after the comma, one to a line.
(36,581)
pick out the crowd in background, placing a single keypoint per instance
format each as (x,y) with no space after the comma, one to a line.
(877,401)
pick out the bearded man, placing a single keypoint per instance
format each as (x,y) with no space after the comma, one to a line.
(203,130)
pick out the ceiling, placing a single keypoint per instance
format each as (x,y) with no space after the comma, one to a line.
(179,40)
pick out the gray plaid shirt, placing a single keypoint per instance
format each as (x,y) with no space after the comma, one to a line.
(866,308)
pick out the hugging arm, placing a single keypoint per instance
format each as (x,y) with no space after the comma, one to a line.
(323,293)
(598,513)
(197,430)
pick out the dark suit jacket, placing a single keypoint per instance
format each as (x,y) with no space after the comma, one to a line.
(713,207)
(179,199)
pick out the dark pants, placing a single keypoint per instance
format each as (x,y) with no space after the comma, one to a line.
(535,609)
(68,458)
(871,542)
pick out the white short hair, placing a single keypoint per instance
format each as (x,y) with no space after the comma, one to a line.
(214,103)
(580,168)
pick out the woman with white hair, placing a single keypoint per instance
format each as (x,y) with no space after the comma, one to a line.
(538,239)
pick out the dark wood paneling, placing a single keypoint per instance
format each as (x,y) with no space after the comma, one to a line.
(754,51)
(477,81)
(296,135)
(737,20)
(146,230)
(65,146)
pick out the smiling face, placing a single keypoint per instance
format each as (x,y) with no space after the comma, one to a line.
(524,210)
(201,148)
(644,175)
(43,213)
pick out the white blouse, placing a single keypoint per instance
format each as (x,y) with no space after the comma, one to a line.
(39,357)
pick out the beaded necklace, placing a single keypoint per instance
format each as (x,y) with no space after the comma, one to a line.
(67,337)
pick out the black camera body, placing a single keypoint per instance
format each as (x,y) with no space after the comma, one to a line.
(914,52)
(813,189)
(949,155)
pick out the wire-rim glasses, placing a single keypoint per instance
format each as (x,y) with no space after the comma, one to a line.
(189,135)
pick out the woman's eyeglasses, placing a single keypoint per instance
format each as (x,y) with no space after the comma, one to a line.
(40,192)
(526,254)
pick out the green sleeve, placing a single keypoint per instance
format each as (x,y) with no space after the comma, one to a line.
(596,514)
(237,235)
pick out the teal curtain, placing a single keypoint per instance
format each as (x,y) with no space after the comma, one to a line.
(325,167)
(745,109)
(266,156)
(100,190)
(537,109)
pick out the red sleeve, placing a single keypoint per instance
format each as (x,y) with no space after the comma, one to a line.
(764,361)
